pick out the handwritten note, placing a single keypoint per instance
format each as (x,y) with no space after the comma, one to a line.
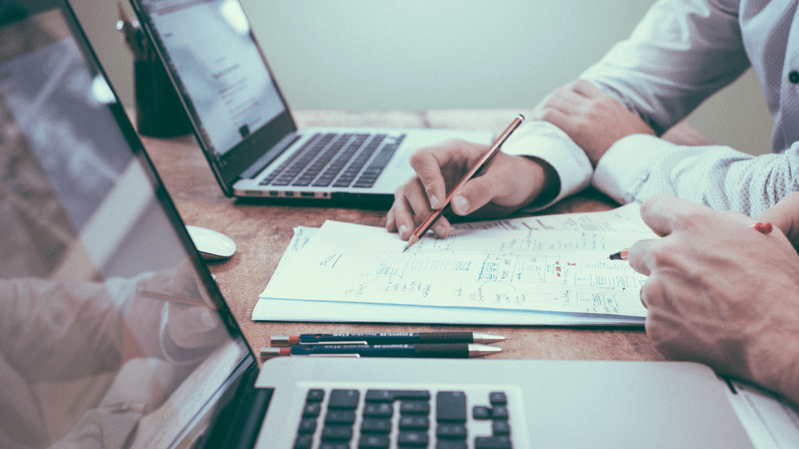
(553,263)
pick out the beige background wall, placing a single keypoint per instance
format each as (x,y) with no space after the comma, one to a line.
(447,54)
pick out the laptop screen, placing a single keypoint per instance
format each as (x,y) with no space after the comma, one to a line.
(214,61)
(112,333)
(220,67)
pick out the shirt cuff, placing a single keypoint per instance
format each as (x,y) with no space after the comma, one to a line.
(549,143)
(625,166)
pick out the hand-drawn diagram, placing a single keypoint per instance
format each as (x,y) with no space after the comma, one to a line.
(541,264)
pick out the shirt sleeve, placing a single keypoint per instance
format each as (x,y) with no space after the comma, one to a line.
(717,176)
(550,144)
(680,53)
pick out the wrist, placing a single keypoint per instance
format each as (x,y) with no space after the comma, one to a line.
(546,182)
(774,364)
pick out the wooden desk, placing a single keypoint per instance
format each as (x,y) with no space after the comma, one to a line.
(262,233)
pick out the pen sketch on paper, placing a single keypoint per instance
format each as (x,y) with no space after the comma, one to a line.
(552,263)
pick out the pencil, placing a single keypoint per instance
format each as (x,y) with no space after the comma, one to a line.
(621,255)
(484,159)
(172,298)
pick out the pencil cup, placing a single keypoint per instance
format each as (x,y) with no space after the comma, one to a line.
(159,112)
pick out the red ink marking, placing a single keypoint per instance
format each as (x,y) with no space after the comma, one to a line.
(765,228)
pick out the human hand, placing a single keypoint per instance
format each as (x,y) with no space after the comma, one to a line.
(191,320)
(593,119)
(507,183)
(785,215)
(721,293)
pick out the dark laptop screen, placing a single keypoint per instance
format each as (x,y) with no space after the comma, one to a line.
(111,332)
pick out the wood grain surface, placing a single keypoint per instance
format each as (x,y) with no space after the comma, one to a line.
(262,232)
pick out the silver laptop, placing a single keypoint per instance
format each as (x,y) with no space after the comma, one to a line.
(244,125)
(114,335)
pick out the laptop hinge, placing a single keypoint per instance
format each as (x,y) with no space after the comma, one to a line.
(272,154)
(237,425)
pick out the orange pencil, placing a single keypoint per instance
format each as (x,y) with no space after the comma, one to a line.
(621,255)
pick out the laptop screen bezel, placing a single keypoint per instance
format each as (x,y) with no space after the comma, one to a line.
(229,167)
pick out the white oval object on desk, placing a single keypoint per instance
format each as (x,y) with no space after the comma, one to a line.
(212,245)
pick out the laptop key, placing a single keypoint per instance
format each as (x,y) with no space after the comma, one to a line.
(372,425)
(497,398)
(340,417)
(311,410)
(329,445)
(450,406)
(336,433)
(413,422)
(502,442)
(392,395)
(414,408)
(378,410)
(451,444)
(315,395)
(453,431)
(374,442)
(500,428)
(481,412)
(412,438)
(307,425)
(343,399)
(499,412)
(303,441)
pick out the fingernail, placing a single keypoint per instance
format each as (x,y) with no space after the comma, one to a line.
(433,201)
(439,229)
(402,229)
(460,204)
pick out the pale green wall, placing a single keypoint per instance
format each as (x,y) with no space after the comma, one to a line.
(422,54)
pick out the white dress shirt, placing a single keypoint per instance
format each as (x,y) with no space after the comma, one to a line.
(680,53)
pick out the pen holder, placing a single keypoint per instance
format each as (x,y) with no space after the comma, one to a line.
(159,112)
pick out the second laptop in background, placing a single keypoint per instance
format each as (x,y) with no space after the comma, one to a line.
(244,124)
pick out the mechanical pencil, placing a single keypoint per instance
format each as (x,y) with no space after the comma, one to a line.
(385,338)
(447,350)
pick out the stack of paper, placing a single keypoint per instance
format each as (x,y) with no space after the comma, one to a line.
(547,270)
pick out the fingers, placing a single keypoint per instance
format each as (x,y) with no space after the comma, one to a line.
(640,256)
(427,163)
(784,215)
(586,89)
(410,208)
(664,213)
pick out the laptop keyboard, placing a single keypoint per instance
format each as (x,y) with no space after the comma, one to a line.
(373,419)
(336,159)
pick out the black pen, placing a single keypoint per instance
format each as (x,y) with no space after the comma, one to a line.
(447,350)
(385,338)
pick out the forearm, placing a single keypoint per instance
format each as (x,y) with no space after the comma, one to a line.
(51,330)
(679,54)
(717,176)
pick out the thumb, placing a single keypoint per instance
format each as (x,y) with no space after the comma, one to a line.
(473,195)
(784,215)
